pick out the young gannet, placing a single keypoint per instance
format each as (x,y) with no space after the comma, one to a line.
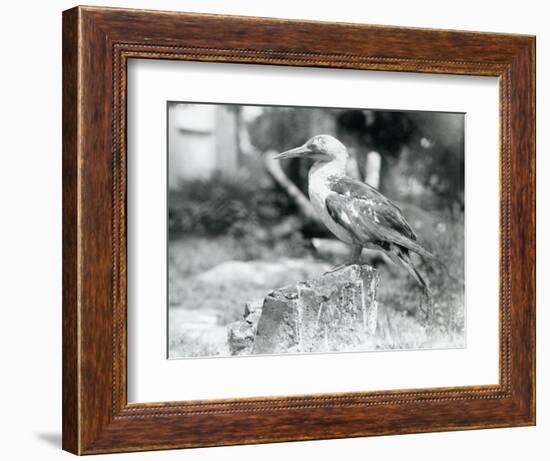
(353,211)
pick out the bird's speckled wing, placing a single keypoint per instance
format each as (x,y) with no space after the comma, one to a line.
(381,210)
(370,217)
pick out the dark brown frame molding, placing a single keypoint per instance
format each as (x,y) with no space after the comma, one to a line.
(97,43)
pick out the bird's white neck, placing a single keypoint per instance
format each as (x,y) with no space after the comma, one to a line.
(324,170)
(321,175)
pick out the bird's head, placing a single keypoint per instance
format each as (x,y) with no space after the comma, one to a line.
(321,148)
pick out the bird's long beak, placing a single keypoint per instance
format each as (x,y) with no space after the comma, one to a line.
(301,151)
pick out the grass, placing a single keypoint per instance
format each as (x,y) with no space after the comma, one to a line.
(211,280)
(444,325)
(208,290)
(191,345)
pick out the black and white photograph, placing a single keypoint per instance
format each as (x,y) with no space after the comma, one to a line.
(275,230)
(299,230)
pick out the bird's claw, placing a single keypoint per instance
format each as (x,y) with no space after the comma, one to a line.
(336,269)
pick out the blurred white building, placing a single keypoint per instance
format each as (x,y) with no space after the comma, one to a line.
(202,139)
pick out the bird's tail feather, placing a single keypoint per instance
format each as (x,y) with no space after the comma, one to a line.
(411,245)
(428,257)
(401,256)
(406,262)
(425,254)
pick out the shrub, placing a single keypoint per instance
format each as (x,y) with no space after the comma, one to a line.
(221,204)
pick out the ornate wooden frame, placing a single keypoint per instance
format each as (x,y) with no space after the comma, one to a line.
(97,43)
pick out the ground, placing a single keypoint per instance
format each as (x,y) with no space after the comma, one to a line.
(211,279)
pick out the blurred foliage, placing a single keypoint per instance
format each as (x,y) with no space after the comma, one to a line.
(427,146)
(242,209)
(422,163)
(225,204)
(280,128)
(438,160)
(383,131)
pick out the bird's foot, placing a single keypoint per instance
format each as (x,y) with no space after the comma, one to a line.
(340,267)
(354,258)
(335,269)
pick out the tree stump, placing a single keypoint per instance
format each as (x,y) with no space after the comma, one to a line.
(333,312)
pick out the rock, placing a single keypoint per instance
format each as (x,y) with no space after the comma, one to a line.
(240,335)
(259,273)
(240,338)
(333,312)
(253,319)
(252,307)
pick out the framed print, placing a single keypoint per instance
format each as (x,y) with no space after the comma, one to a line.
(282,230)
